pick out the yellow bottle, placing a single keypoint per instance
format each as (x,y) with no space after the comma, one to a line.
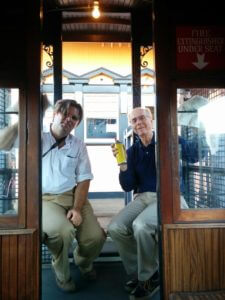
(121,156)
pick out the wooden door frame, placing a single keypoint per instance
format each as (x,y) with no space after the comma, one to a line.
(176,224)
(20,250)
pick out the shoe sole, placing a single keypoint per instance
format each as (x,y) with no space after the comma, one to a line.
(145,297)
(155,291)
(140,298)
(129,290)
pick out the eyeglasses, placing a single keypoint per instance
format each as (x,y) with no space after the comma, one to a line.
(139,118)
(75,118)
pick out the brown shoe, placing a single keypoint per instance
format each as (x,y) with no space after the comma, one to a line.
(68,286)
(131,285)
(146,289)
(91,275)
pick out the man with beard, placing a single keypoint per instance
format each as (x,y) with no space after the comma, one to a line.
(66,211)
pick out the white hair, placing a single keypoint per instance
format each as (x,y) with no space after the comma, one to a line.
(146,110)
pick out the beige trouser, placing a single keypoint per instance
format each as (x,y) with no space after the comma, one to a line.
(61,233)
(134,231)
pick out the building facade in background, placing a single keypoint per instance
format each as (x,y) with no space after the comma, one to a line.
(106,97)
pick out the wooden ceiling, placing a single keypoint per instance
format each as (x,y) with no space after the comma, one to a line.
(114,24)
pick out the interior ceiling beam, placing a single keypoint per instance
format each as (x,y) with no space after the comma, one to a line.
(90,20)
(103,38)
(102,8)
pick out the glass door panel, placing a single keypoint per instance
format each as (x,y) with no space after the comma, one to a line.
(9,151)
(201,131)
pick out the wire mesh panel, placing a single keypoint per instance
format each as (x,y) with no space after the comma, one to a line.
(204,180)
(206,189)
(9,152)
(46,256)
(9,193)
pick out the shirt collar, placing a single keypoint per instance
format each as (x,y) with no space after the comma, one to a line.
(151,144)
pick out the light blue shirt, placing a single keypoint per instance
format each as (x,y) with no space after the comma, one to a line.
(63,168)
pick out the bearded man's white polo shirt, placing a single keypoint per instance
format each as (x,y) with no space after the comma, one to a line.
(63,168)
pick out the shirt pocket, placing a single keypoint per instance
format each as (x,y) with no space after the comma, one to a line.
(69,164)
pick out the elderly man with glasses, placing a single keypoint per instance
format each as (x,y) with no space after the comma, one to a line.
(134,229)
(66,212)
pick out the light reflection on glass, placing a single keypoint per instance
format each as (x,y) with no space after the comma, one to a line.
(200,116)
(9,151)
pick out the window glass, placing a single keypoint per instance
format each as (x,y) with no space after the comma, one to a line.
(101,118)
(9,151)
(101,128)
(201,130)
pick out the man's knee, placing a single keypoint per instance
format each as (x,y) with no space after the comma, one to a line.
(116,230)
(92,239)
(64,231)
(112,229)
(99,237)
(140,227)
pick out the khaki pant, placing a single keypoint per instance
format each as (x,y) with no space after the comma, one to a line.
(61,233)
(134,231)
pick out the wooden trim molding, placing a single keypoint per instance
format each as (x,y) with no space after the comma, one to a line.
(17,231)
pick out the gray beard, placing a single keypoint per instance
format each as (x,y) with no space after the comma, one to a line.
(58,131)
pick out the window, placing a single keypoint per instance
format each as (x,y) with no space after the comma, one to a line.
(12,157)
(9,151)
(101,128)
(101,118)
(201,125)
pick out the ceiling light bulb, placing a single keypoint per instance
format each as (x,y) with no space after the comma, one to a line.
(95,11)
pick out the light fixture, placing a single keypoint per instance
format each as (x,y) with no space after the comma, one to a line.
(96,11)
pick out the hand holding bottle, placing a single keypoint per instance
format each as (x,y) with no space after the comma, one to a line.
(119,152)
